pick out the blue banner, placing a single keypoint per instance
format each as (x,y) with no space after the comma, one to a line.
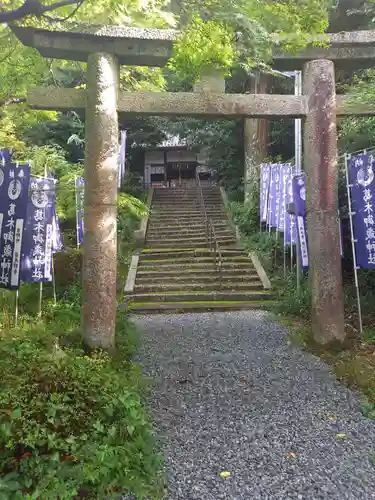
(265,173)
(299,199)
(273,200)
(284,173)
(38,235)
(122,156)
(278,202)
(14,182)
(361,179)
(290,233)
(57,237)
(80,192)
(5,158)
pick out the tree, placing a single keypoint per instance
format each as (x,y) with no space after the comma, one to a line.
(224,33)
(37,8)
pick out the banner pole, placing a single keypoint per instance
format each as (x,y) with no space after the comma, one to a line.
(291,256)
(16,310)
(77,224)
(285,216)
(40,299)
(54,282)
(260,195)
(355,268)
(298,163)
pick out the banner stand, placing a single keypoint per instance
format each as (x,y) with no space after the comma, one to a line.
(16,309)
(40,299)
(53,282)
(77,224)
(355,268)
(284,263)
(298,162)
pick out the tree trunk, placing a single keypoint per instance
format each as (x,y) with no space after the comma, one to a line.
(255,139)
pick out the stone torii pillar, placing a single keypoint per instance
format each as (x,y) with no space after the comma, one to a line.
(322,202)
(100,240)
(104,49)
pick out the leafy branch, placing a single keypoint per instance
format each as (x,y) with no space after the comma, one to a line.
(12,100)
(33,8)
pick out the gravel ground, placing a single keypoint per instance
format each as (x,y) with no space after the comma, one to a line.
(231,395)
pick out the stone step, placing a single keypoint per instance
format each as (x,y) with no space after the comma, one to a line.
(196,307)
(162,220)
(186,217)
(194,199)
(176,189)
(197,287)
(188,233)
(177,201)
(176,227)
(185,210)
(188,239)
(181,273)
(197,262)
(160,245)
(203,295)
(202,254)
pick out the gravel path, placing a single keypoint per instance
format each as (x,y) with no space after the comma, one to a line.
(231,395)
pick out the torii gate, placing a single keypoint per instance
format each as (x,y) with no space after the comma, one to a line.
(105,49)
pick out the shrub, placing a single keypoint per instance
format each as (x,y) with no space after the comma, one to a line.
(68,266)
(290,301)
(71,425)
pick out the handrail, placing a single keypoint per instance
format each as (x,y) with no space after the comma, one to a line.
(210,233)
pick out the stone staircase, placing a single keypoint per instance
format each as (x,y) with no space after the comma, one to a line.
(177,270)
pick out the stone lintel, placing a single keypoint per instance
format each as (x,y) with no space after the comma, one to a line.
(347,49)
(194,104)
(177,104)
(132,46)
(346,57)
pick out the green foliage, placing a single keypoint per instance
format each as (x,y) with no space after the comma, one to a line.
(70,423)
(368,409)
(245,215)
(357,132)
(203,47)
(291,302)
(221,34)
(61,133)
